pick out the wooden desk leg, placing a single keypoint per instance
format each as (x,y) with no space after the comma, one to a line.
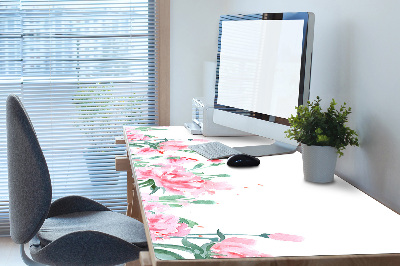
(133,263)
(129,192)
(144,260)
(133,199)
(134,212)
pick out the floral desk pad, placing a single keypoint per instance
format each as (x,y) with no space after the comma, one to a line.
(201,209)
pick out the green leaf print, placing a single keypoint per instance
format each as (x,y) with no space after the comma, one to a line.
(190,223)
(203,202)
(155,157)
(175,205)
(207,246)
(170,198)
(197,251)
(221,235)
(205,250)
(140,164)
(199,165)
(221,175)
(163,254)
(216,164)
(136,145)
(172,246)
(147,183)
(154,189)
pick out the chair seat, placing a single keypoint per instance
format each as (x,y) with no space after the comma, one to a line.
(108,222)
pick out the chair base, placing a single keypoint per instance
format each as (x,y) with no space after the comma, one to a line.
(26,259)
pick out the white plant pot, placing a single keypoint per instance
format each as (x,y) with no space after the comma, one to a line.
(319,163)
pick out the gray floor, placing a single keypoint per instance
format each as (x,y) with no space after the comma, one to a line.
(9,253)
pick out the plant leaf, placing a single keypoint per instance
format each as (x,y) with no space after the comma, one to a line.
(207,250)
(199,165)
(171,198)
(147,183)
(197,251)
(154,189)
(203,202)
(155,157)
(171,246)
(190,223)
(221,235)
(175,205)
(163,254)
(221,175)
(207,246)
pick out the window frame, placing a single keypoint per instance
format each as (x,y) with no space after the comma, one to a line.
(163,77)
(163,36)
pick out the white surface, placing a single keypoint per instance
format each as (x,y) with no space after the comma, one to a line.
(355,60)
(260,65)
(334,219)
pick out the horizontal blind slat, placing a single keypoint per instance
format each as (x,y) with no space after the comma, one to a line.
(83,69)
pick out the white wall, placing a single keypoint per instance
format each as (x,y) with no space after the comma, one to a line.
(194,41)
(356,59)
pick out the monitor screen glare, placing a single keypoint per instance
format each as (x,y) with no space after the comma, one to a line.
(260,65)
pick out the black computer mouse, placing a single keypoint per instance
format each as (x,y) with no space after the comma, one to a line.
(240,160)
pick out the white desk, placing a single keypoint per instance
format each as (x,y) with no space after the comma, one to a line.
(262,212)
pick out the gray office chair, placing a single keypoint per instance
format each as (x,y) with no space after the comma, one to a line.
(70,231)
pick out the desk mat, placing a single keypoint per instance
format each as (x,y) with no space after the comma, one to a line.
(202,209)
(171,177)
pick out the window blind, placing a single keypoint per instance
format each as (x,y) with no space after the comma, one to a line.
(83,69)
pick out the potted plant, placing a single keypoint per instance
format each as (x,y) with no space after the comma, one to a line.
(323,135)
(100,108)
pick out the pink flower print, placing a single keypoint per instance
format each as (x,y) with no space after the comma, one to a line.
(150,203)
(148,198)
(148,150)
(135,135)
(214,186)
(144,173)
(215,161)
(286,237)
(181,160)
(172,145)
(155,207)
(235,247)
(175,179)
(163,226)
(200,140)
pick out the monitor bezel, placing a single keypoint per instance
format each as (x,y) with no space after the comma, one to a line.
(305,70)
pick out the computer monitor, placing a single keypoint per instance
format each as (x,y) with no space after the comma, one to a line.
(263,73)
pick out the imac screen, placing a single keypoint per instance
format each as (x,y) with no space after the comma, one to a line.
(260,65)
(262,70)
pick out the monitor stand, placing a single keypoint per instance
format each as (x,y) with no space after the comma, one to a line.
(277,148)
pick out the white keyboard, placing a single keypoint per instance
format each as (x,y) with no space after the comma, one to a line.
(214,150)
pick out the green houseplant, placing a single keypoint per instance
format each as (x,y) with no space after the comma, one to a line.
(323,135)
(101,107)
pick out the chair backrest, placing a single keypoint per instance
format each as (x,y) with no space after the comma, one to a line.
(29,183)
